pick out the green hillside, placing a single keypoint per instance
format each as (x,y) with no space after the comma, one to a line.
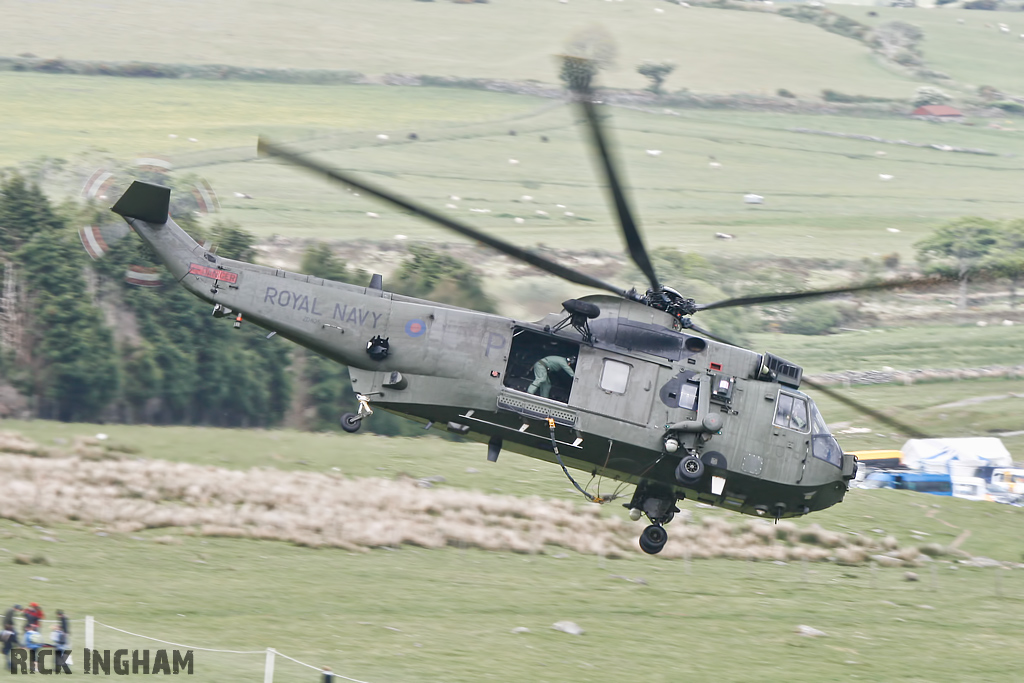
(717,51)
(974,52)
(823,195)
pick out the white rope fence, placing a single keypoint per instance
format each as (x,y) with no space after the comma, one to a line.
(270,653)
(167,642)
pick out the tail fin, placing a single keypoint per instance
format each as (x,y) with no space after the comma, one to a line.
(145,201)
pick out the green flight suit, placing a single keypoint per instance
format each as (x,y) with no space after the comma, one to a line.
(541,383)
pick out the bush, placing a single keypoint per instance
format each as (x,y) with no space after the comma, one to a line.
(817,318)
(906,58)
(830,95)
(656,73)
(926,94)
(1010,106)
(898,41)
(782,92)
(990,93)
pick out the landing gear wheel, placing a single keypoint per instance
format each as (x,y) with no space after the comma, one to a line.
(351,423)
(653,539)
(689,470)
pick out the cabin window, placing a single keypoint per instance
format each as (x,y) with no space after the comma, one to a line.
(688,395)
(823,444)
(615,376)
(791,413)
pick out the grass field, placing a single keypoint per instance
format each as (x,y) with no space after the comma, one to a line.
(906,348)
(973,53)
(413,614)
(717,51)
(823,195)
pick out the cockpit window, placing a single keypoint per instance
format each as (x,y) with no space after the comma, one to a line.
(791,412)
(823,444)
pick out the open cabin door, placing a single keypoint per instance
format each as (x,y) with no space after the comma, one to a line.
(616,386)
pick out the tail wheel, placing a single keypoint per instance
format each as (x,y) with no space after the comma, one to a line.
(689,470)
(350,423)
(653,539)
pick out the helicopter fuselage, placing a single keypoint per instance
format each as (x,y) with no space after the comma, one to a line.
(643,394)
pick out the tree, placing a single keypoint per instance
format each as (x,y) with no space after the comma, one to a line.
(989,93)
(656,72)
(926,95)
(587,52)
(184,366)
(439,277)
(24,211)
(819,317)
(73,370)
(319,260)
(958,248)
(898,41)
(1007,257)
(233,242)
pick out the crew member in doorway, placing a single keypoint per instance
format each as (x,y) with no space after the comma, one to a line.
(542,368)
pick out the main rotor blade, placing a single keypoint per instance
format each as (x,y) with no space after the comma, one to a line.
(866,410)
(810,294)
(265,147)
(635,243)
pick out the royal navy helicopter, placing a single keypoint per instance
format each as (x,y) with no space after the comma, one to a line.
(653,399)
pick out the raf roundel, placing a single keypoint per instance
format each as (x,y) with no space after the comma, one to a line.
(415,328)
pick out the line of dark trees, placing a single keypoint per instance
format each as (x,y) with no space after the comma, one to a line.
(93,348)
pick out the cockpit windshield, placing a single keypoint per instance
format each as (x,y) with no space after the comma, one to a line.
(797,412)
(823,444)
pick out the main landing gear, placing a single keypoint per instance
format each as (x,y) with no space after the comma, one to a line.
(653,539)
(660,507)
(351,422)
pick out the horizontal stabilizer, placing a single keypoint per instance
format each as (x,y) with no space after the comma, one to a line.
(145,201)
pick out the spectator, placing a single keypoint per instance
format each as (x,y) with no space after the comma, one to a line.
(33,643)
(33,615)
(61,642)
(63,620)
(9,641)
(9,616)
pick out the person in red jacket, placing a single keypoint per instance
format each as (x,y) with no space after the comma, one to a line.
(33,615)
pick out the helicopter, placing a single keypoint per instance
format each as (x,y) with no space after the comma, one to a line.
(622,385)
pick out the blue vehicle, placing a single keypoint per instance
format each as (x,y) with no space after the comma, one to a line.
(936,484)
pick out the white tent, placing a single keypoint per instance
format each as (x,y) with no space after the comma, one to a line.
(957,457)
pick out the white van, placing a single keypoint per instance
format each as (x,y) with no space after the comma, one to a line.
(1008,479)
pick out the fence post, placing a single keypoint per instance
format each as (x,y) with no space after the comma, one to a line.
(268,671)
(89,644)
